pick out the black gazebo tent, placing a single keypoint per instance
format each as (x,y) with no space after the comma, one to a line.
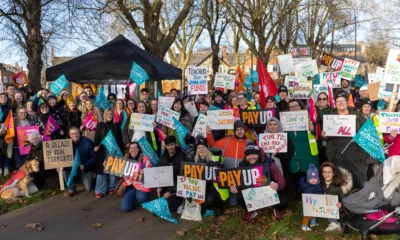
(111,64)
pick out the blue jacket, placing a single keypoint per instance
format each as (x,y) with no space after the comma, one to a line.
(306,187)
(86,153)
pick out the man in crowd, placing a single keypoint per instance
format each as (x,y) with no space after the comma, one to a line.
(283,95)
(173,93)
(83,97)
(89,92)
(10,91)
(111,97)
(242,100)
(345,86)
(257,100)
(144,95)
(363,96)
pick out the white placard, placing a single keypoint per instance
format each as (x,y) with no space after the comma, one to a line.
(333,78)
(299,90)
(220,119)
(286,63)
(165,102)
(191,108)
(294,121)
(273,142)
(319,89)
(320,205)
(197,80)
(201,126)
(392,70)
(383,92)
(340,125)
(307,69)
(142,122)
(389,121)
(371,78)
(379,74)
(155,177)
(165,117)
(291,79)
(297,61)
(191,188)
(225,81)
(1,87)
(260,197)
(349,69)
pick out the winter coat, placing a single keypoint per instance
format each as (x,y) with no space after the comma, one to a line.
(74,119)
(87,154)
(343,190)
(306,187)
(62,112)
(43,118)
(174,161)
(283,105)
(232,149)
(301,156)
(152,137)
(138,184)
(394,150)
(321,113)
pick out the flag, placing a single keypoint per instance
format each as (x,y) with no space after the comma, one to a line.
(9,124)
(58,85)
(254,76)
(1,114)
(124,119)
(368,139)
(181,132)
(131,89)
(160,208)
(50,127)
(148,151)
(267,84)
(101,100)
(255,136)
(277,98)
(138,74)
(350,101)
(34,97)
(111,145)
(330,96)
(19,79)
(381,104)
(159,93)
(75,167)
(317,80)
(212,107)
(161,134)
(313,110)
(248,94)
(359,81)
(239,79)
(91,122)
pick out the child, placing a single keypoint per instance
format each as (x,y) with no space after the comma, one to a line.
(311,185)
(335,182)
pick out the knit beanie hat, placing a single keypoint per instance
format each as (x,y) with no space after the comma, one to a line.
(238,124)
(201,141)
(364,88)
(341,94)
(283,88)
(363,101)
(217,93)
(251,148)
(312,172)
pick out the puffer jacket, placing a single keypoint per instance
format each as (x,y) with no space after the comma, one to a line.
(306,187)
(232,149)
(340,191)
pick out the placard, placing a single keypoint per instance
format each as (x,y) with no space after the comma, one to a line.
(191,188)
(225,81)
(220,119)
(294,121)
(379,74)
(191,108)
(373,90)
(143,122)
(273,142)
(261,197)
(165,117)
(199,171)
(123,167)
(299,90)
(319,88)
(333,78)
(155,177)
(197,80)
(201,126)
(331,61)
(349,69)
(320,205)
(307,69)
(392,70)
(339,125)
(58,154)
(389,121)
(243,177)
(165,102)
(291,79)
(371,78)
(286,63)
(383,92)
(23,142)
(299,51)
(297,61)
(256,117)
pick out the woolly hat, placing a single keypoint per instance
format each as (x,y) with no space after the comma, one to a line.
(341,94)
(169,140)
(283,88)
(312,172)
(63,92)
(200,140)
(363,88)
(363,101)
(251,148)
(271,98)
(217,93)
(238,124)
(51,96)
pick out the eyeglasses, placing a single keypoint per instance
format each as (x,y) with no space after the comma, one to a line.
(322,99)
(294,106)
(241,98)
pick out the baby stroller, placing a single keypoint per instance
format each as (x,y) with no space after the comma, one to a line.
(374,208)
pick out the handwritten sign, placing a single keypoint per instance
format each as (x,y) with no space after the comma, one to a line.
(199,171)
(225,81)
(122,167)
(243,177)
(23,134)
(197,80)
(256,117)
(340,125)
(331,61)
(321,206)
(261,197)
(379,74)
(392,70)
(191,188)
(58,154)
(319,88)
(307,69)
(291,79)
(201,126)
(158,177)
(220,119)
(389,121)
(191,108)
(349,69)
(371,78)
(299,90)
(142,122)
(294,121)
(165,117)
(273,142)
(333,78)
(165,102)
(286,63)
(297,61)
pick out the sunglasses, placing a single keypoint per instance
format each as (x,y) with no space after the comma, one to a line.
(322,99)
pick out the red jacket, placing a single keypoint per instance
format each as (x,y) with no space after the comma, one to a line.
(395,148)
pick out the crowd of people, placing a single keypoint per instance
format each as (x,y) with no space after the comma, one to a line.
(299,170)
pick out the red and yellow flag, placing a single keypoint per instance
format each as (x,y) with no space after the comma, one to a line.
(19,79)
(9,124)
(350,101)
(239,80)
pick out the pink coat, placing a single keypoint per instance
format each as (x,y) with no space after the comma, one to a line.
(394,150)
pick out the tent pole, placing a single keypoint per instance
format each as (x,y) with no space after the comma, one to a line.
(155,89)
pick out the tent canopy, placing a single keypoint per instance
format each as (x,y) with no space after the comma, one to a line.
(111,64)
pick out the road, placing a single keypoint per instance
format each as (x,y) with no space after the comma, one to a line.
(72,218)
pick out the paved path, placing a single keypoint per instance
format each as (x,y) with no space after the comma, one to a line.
(64,218)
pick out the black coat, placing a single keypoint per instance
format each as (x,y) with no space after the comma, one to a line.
(74,120)
(174,161)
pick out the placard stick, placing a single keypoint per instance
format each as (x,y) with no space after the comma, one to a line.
(347,146)
(393,99)
(61,179)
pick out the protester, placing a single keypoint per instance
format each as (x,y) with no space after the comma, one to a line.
(144,95)
(58,109)
(185,118)
(83,97)
(111,97)
(345,86)
(153,106)
(130,106)
(322,108)
(203,108)
(28,105)
(39,99)
(393,140)
(256,100)
(64,99)
(208,99)
(43,118)
(18,101)
(89,92)
(4,159)
(74,116)
(96,113)
(243,105)
(233,102)
(283,95)
(173,93)
(271,105)
(364,95)
(200,98)
(10,92)
(118,112)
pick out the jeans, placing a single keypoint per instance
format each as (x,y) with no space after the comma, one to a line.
(87,179)
(131,194)
(101,183)
(232,199)
(19,159)
(4,161)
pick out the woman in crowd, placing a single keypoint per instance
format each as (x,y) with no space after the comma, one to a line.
(153,106)
(43,117)
(40,98)
(64,99)
(130,106)
(232,102)
(4,159)
(18,101)
(74,116)
(90,108)
(28,105)
(203,108)
(208,98)
(323,108)
(101,131)
(118,112)
(135,190)
(186,119)
(55,108)
(271,105)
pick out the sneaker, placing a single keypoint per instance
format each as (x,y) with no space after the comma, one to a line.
(248,216)
(99,195)
(278,215)
(6,172)
(314,224)
(333,227)
(180,208)
(305,228)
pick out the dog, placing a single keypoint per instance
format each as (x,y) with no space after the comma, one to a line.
(17,186)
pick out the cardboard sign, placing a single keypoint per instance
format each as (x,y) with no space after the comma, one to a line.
(23,142)
(191,108)
(333,78)
(294,121)
(299,90)
(297,61)
(242,177)
(225,81)
(191,188)
(331,61)
(158,177)
(58,154)
(320,205)
(197,80)
(307,69)
(123,167)
(349,69)
(220,119)
(256,117)
(340,125)
(389,121)
(373,90)
(319,88)
(142,122)
(165,102)
(201,126)
(199,171)
(261,197)
(392,70)
(165,117)
(273,142)
(286,63)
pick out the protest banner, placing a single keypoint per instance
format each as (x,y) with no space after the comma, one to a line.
(142,122)
(199,171)
(291,79)
(58,154)
(299,90)
(220,119)
(23,142)
(165,117)
(243,177)
(297,61)
(191,188)
(165,102)
(58,85)
(320,205)
(91,122)
(392,69)
(225,81)
(379,74)
(122,167)
(197,80)
(298,52)
(294,121)
(339,125)
(319,88)
(333,78)
(368,139)
(349,69)
(201,126)
(260,197)
(273,142)
(331,61)
(286,63)
(307,69)
(191,108)
(389,121)
(256,117)
(158,177)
